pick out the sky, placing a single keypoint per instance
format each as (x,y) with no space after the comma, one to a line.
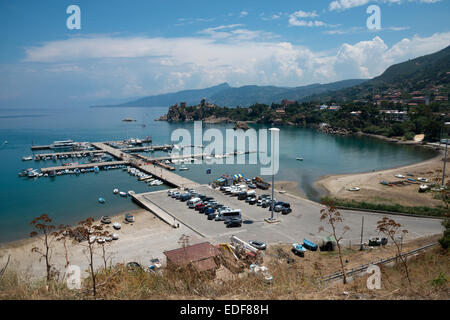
(130,49)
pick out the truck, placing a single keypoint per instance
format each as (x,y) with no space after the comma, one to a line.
(260,183)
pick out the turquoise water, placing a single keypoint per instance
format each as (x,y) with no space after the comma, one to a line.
(69,199)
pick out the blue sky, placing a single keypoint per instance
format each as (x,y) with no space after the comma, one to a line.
(129,49)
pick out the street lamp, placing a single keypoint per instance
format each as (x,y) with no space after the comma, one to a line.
(272,145)
(445,154)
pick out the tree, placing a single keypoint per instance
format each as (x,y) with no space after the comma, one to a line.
(392,229)
(44,232)
(94,236)
(332,216)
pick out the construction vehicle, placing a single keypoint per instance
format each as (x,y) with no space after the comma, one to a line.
(260,183)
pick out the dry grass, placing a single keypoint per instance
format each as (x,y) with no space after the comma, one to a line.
(430,275)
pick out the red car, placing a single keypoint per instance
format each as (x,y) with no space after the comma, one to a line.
(198,206)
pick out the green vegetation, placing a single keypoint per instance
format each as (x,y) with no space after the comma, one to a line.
(445,240)
(426,211)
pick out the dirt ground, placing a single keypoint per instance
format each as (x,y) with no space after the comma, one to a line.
(322,263)
(371,190)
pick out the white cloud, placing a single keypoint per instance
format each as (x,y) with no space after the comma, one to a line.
(243,13)
(140,65)
(297,19)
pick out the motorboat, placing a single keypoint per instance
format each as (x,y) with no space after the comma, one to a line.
(28,158)
(422,179)
(309,245)
(298,248)
(183,168)
(122,194)
(129,217)
(354,189)
(400,176)
(299,158)
(101,200)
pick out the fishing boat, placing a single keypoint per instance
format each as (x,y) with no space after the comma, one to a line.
(101,200)
(28,158)
(298,248)
(309,245)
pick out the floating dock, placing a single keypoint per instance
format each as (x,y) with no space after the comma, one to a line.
(84,166)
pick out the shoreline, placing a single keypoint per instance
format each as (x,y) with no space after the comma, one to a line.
(371,189)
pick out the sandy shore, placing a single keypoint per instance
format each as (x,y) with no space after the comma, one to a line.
(290,187)
(131,246)
(371,189)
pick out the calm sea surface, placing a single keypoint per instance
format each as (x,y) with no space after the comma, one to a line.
(70,198)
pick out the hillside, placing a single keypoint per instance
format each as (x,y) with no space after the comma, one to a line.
(225,95)
(420,76)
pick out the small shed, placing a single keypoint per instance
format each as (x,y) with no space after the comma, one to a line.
(202,257)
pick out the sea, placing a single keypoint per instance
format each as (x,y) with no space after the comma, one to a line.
(68,199)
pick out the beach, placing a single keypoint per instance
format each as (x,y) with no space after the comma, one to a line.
(131,246)
(371,190)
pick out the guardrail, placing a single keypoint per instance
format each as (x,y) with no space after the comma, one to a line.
(363,268)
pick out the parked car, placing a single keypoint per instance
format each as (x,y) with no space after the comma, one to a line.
(260,245)
(252,186)
(286,210)
(199,205)
(252,200)
(212,216)
(209,210)
(242,195)
(233,223)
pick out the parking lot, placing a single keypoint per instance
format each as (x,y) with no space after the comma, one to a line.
(302,222)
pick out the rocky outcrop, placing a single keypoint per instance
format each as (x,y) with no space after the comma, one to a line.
(326,128)
(241,125)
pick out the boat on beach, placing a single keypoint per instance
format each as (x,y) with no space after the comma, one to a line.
(309,245)
(298,248)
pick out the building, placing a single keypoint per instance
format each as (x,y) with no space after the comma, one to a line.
(280,111)
(285,102)
(202,257)
(394,115)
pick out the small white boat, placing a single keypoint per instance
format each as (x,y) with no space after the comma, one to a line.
(423,188)
(422,179)
(116,191)
(122,194)
(299,158)
(117,225)
(354,189)
(183,168)
(27,158)
(399,176)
